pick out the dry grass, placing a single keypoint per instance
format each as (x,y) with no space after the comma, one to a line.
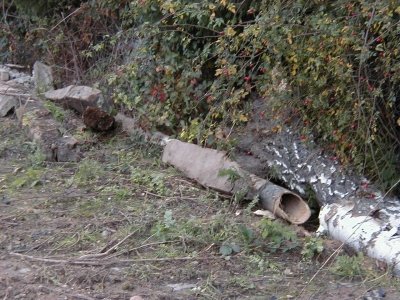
(121,223)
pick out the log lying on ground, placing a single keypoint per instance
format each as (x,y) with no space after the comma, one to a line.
(211,168)
(270,146)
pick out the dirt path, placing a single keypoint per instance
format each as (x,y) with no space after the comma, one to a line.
(120,224)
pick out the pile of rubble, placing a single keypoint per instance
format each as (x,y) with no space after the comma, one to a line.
(26,95)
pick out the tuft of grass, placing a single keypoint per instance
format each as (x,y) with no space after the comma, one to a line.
(90,207)
(37,158)
(88,171)
(278,236)
(55,111)
(312,246)
(349,267)
(29,178)
(232,174)
(153,181)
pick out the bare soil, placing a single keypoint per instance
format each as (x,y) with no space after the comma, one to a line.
(121,224)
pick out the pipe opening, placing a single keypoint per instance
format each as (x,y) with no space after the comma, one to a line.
(295,208)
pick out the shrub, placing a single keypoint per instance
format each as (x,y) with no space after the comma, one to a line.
(190,68)
(333,63)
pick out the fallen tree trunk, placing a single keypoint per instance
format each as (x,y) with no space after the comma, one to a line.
(352,210)
(362,233)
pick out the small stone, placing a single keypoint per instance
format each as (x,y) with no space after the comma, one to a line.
(136,298)
(24,270)
(42,77)
(4,75)
(181,286)
(375,294)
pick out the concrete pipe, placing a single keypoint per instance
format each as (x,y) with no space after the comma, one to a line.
(284,203)
(205,166)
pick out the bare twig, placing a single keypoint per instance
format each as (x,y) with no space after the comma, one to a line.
(16,94)
(102,262)
(67,17)
(143,246)
(109,251)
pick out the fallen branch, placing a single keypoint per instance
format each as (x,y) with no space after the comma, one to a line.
(15,94)
(98,262)
(109,251)
(143,246)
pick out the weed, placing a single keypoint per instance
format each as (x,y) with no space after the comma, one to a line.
(37,158)
(260,264)
(119,194)
(122,194)
(312,246)
(67,242)
(227,249)
(55,111)
(79,239)
(242,282)
(31,177)
(350,267)
(232,174)
(164,227)
(252,204)
(151,180)
(90,207)
(246,234)
(88,171)
(279,236)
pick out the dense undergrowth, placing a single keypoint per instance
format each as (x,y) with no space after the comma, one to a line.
(190,68)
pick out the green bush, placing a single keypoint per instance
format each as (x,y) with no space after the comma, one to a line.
(332,64)
(189,68)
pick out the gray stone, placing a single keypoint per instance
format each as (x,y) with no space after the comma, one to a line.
(176,287)
(67,149)
(7,103)
(44,130)
(79,98)
(26,81)
(42,77)
(4,75)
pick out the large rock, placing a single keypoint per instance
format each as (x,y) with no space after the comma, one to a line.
(8,98)
(44,130)
(79,98)
(7,103)
(42,77)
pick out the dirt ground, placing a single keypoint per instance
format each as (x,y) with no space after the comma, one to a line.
(121,224)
